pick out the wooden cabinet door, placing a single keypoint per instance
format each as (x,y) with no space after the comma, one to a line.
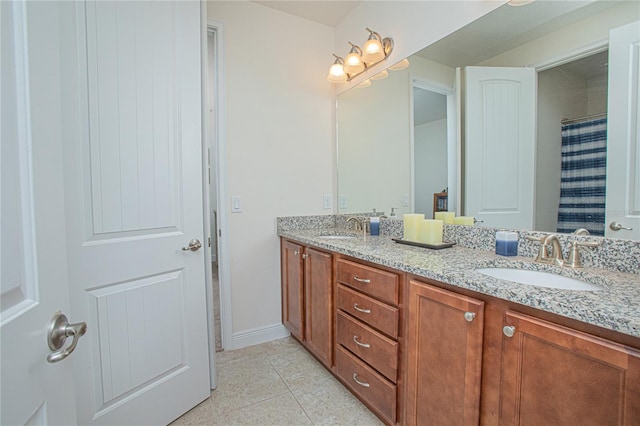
(292,291)
(444,356)
(318,283)
(556,375)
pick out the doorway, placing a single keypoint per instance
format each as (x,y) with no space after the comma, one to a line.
(433,145)
(575,90)
(212,133)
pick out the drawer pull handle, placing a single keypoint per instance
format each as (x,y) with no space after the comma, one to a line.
(355,379)
(362,280)
(364,311)
(364,345)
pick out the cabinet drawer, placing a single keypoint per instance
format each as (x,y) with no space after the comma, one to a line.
(378,351)
(366,383)
(377,283)
(376,314)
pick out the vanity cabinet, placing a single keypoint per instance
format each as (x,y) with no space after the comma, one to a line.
(444,356)
(367,331)
(307,298)
(555,375)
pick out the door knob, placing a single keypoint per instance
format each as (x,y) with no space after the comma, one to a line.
(194,245)
(59,330)
(616,226)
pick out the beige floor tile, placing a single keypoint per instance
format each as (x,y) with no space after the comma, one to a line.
(277,383)
(201,414)
(279,410)
(297,367)
(330,403)
(246,381)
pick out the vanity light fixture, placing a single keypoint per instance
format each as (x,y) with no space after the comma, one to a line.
(364,84)
(375,50)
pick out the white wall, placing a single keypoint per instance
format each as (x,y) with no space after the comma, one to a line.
(375,164)
(280,145)
(430,150)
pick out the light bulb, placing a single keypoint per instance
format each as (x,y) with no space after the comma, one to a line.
(337,74)
(372,51)
(353,64)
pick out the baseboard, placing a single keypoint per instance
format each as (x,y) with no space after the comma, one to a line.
(256,336)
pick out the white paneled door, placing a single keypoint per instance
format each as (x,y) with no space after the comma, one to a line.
(33,261)
(133,194)
(622,217)
(500,145)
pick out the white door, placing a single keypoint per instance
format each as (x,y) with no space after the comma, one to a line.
(500,146)
(133,188)
(622,217)
(33,258)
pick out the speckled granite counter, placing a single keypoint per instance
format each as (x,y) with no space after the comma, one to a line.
(615,307)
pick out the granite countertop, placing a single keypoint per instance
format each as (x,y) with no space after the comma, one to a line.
(615,307)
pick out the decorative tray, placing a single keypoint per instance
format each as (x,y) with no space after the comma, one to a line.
(442,245)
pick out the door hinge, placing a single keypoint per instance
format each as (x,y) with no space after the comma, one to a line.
(209,241)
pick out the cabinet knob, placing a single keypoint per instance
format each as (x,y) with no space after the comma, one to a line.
(305,255)
(469,316)
(296,252)
(509,330)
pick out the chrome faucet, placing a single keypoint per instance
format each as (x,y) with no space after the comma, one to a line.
(553,258)
(357,221)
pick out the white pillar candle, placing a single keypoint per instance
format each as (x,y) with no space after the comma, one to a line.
(446,217)
(463,220)
(430,231)
(411,222)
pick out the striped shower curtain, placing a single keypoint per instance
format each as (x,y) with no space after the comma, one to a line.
(582,184)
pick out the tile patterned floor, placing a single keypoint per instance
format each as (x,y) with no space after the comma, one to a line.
(276,383)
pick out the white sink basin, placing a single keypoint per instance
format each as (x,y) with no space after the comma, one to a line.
(336,237)
(538,278)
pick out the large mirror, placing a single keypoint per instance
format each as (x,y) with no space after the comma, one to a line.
(410,137)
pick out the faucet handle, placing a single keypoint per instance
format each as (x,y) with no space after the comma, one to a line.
(574,253)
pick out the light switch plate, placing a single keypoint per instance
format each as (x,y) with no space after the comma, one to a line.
(327,202)
(405,200)
(343,201)
(236,204)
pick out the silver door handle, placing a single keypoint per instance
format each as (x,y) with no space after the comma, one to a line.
(59,330)
(616,226)
(194,245)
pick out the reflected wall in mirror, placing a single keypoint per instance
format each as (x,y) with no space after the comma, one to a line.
(381,140)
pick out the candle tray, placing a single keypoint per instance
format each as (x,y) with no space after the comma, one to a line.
(442,245)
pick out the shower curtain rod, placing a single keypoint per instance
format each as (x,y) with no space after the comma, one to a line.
(585,118)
